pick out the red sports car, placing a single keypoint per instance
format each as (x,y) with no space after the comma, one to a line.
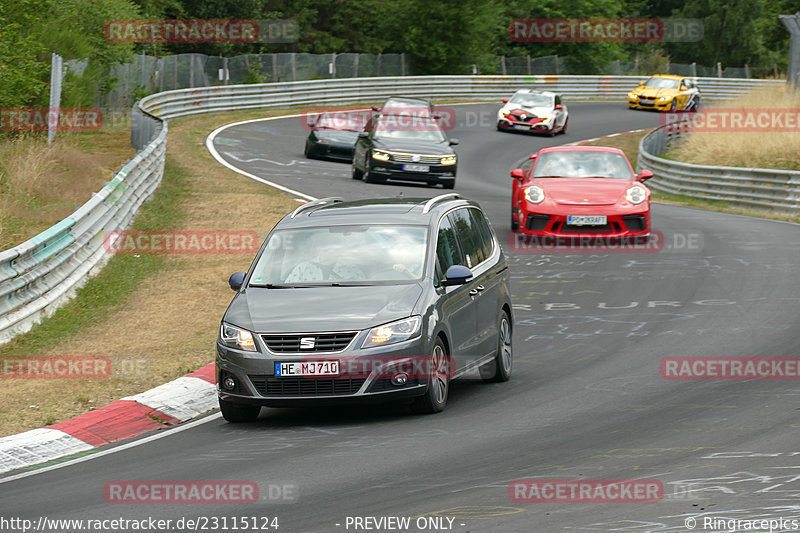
(580,191)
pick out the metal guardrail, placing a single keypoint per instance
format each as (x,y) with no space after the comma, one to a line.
(753,188)
(183,102)
(40,274)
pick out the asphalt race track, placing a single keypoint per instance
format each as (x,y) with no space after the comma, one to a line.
(586,400)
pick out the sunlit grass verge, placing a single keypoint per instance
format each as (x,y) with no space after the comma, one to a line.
(629,143)
(158,311)
(759,148)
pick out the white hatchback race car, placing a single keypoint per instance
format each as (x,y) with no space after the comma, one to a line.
(533,111)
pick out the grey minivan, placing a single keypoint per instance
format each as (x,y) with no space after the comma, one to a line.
(369,300)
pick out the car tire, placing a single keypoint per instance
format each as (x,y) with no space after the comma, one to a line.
(449,184)
(514,223)
(499,369)
(369,177)
(238,412)
(307,152)
(435,398)
(564,128)
(357,174)
(673,106)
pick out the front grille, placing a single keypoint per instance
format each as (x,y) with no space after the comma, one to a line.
(409,158)
(634,222)
(536,222)
(323,342)
(599,230)
(305,386)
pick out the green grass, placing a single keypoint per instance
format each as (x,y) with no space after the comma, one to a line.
(121,276)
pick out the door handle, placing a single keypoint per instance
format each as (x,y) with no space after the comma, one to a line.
(476,290)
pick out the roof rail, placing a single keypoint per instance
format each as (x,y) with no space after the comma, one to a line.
(316,203)
(430,203)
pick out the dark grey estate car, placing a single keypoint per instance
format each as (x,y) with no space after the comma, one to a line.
(367,300)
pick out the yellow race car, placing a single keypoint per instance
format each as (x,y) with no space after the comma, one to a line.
(665,92)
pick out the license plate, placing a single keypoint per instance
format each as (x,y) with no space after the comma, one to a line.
(586,220)
(416,168)
(521,127)
(646,101)
(307,368)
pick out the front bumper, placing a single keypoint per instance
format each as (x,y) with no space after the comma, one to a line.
(336,151)
(363,377)
(394,170)
(634,222)
(638,103)
(538,127)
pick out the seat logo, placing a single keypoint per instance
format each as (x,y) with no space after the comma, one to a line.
(415,158)
(307,343)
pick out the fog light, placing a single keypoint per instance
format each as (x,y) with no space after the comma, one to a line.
(229,383)
(400,379)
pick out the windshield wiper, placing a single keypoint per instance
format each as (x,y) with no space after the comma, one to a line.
(276,286)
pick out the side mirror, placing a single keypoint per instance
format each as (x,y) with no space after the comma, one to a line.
(437,116)
(641,83)
(456,275)
(559,106)
(532,156)
(645,174)
(236,280)
(518,174)
(376,108)
(505,100)
(453,142)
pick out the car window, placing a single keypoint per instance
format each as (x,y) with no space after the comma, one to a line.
(532,100)
(468,237)
(662,83)
(582,164)
(447,250)
(487,242)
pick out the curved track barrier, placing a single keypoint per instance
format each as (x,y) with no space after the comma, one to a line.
(40,274)
(777,191)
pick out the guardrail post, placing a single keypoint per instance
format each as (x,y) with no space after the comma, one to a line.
(275,68)
(503,65)
(56,75)
(555,62)
(294,67)
(719,69)
(378,65)
(792,23)
(746,71)
(694,69)
(332,69)
(403,64)
(529,64)
(355,65)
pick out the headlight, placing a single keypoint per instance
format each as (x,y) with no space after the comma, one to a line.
(237,337)
(632,95)
(665,99)
(636,195)
(449,160)
(380,156)
(534,194)
(393,332)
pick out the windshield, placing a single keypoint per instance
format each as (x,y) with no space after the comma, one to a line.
(413,107)
(409,128)
(582,165)
(344,255)
(340,121)
(662,83)
(532,100)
